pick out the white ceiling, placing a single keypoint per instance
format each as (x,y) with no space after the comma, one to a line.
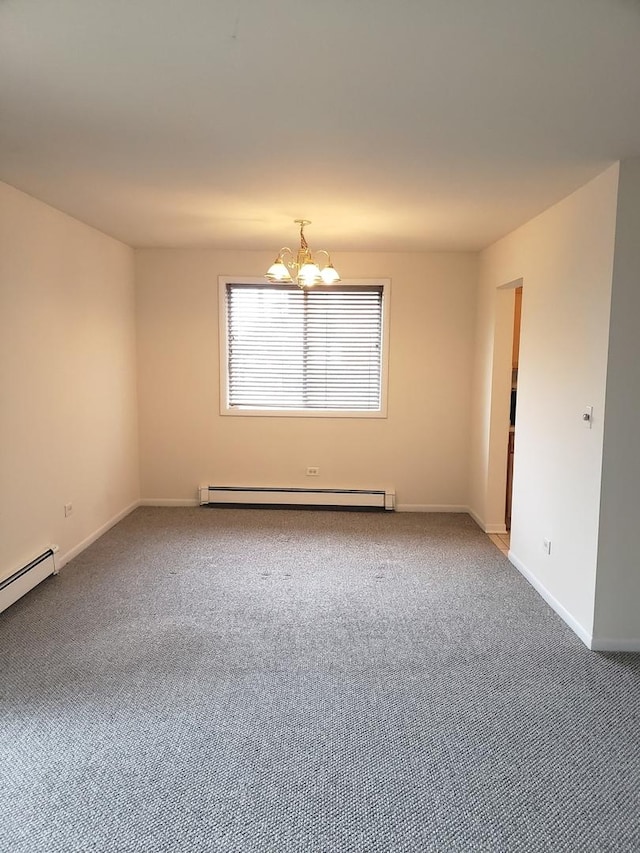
(392,124)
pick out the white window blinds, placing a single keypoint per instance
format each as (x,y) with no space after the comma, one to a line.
(317,349)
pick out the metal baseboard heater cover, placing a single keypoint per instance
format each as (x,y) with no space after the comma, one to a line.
(24,579)
(261,496)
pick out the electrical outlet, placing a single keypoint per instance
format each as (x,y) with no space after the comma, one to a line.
(68,509)
(546,544)
(312,471)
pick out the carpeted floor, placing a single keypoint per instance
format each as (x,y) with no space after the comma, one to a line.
(306,682)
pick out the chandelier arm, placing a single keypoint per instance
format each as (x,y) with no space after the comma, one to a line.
(324,252)
(285,250)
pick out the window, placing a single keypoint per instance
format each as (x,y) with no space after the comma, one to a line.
(319,351)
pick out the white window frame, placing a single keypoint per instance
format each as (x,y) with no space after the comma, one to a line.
(225,409)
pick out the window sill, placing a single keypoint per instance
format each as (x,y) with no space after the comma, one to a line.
(300,413)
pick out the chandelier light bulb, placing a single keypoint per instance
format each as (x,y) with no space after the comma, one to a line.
(329,274)
(278,271)
(309,273)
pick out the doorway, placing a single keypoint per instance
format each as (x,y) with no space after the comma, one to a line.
(511,444)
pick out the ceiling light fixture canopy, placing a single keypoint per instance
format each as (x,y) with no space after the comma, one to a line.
(302,267)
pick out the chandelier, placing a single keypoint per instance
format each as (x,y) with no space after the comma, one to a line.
(301,267)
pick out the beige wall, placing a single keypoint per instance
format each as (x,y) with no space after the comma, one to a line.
(68,421)
(420,449)
(617,616)
(565,259)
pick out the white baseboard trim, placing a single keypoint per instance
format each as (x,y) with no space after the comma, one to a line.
(169,502)
(89,540)
(553,602)
(431,508)
(606,644)
(486,528)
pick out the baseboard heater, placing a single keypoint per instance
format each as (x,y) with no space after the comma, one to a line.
(25,578)
(363,499)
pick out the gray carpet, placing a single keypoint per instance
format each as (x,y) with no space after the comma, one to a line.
(264,680)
